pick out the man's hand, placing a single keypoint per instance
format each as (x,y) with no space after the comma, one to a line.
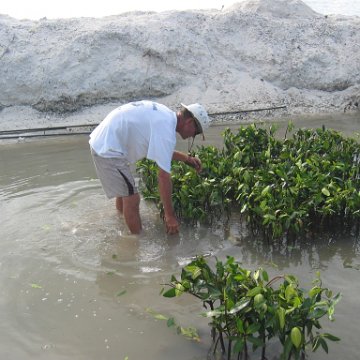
(195,163)
(172,225)
(192,161)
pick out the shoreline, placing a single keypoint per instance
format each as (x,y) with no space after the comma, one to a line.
(24,117)
(24,122)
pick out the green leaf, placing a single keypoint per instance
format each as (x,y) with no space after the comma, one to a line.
(323,344)
(281,316)
(314,291)
(328,293)
(290,292)
(36,286)
(213,313)
(253,328)
(239,346)
(240,326)
(190,333)
(256,341)
(331,337)
(239,306)
(258,299)
(156,315)
(179,289)
(318,313)
(194,270)
(266,190)
(170,293)
(170,322)
(160,317)
(265,275)
(256,290)
(336,298)
(325,191)
(295,336)
(316,343)
(287,348)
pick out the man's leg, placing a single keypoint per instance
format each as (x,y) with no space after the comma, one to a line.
(115,177)
(131,205)
(119,204)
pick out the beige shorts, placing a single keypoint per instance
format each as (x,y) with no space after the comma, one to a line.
(115,175)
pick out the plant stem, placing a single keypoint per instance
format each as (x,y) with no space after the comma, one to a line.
(274,279)
(223,349)
(216,344)
(229,350)
(263,357)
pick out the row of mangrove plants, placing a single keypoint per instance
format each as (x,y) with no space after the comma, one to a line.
(278,186)
(247,311)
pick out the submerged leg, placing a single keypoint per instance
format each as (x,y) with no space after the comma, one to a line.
(131,205)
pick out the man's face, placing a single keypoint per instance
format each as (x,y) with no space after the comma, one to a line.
(190,129)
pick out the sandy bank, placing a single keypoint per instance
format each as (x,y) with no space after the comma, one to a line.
(256,54)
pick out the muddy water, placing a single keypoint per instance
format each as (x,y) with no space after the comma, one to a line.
(75,285)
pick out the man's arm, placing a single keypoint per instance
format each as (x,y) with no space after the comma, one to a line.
(192,161)
(165,190)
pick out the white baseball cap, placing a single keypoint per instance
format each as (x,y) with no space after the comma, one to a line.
(200,115)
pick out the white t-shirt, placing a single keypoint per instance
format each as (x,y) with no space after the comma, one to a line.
(142,129)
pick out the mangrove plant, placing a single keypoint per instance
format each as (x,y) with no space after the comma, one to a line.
(247,310)
(277,186)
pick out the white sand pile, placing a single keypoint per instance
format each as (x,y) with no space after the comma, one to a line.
(260,53)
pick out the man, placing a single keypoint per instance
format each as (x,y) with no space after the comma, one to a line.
(143,129)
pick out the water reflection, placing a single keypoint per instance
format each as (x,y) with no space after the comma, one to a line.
(316,253)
